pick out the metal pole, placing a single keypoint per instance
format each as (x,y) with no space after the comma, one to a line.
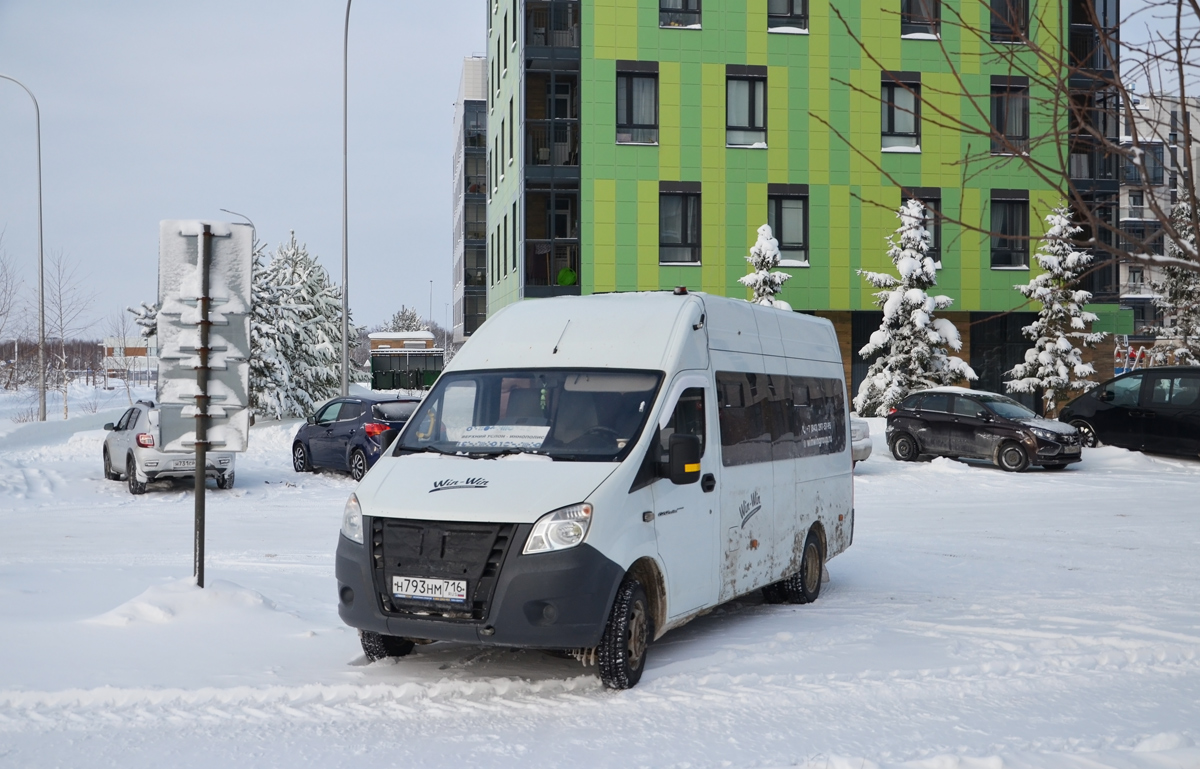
(202,399)
(345,208)
(253,229)
(37,113)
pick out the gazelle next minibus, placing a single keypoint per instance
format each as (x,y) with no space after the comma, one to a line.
(591,472)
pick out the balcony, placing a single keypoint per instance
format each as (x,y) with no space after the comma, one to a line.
(552,142)
(475,184)
(1088,51)
(551,268)
(552,24)
(1095,163)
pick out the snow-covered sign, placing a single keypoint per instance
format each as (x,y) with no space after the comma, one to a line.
(180,278)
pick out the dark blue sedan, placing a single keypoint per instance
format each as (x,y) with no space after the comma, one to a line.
(349,433)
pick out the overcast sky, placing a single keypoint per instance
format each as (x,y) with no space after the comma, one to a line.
(174,110)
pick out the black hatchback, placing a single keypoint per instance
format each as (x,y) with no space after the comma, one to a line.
(973,424)
(1155,410)
(349,433)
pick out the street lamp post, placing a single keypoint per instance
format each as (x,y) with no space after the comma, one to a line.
(253,229)
(345,249)
(37,114)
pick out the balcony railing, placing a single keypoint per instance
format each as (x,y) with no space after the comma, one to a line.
(474,276)
(552,142)
(1092,164)
(476,231)
(552,263)
(1088,51)
(552,24)
(475,184)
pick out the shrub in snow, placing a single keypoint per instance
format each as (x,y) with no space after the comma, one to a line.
(914,338)
(764,257)
(295,333)
(1178,299)
(1054,365)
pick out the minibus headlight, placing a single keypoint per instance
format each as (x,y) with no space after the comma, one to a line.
(352,527)
(559,530)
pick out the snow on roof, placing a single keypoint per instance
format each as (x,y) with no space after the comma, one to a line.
(959,390)
(402,335)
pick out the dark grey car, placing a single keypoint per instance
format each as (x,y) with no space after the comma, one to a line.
(973,424)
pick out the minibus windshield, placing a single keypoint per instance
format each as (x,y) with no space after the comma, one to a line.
(581,415)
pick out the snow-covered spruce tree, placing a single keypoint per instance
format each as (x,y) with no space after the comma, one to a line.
(295,334)
(146,318)
(914,339)
(405,319)
(1177,297)
(764,257)
(1054,365)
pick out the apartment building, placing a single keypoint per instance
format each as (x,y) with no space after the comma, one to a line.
(1157,122)
(469,260)
(638,144)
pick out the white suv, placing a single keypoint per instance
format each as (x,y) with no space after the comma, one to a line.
(130,452)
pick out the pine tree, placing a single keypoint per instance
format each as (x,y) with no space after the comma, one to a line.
(915,339)
(764,257)
(1178,299)
(405,319)
(1054,365)
(295,334)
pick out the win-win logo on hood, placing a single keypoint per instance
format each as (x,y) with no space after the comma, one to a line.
(450,483)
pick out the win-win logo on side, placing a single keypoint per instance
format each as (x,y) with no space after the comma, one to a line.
(450,483)
(748,509)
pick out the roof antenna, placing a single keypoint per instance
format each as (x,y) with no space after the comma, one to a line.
(560,338)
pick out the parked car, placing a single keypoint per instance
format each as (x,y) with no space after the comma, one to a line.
(956,422)
(131,452)
(349,433)
(573,491)
(1155,410)
(860,439)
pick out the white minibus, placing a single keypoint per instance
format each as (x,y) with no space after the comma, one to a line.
(591,472)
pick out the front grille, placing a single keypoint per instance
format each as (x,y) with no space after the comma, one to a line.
(439,550)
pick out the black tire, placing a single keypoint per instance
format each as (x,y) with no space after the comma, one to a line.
(905,448)
(225,480)
(1012,457)
(378,646)
(1087,434)
(621,655)
(805,585)
(358,464)
(300,459)
(109,473)
(773,593)
(135,486)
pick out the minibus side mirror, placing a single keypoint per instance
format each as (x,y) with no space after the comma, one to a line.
(386,438)
(683,459)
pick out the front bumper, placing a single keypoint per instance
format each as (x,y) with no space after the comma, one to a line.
(557,600)
(1046,452)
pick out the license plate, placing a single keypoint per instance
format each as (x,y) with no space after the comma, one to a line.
(1070,449)
(185,463)
(421,589)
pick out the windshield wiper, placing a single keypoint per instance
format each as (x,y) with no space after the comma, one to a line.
(430,448)
(508,452)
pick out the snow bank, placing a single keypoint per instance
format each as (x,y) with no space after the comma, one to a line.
(181,599)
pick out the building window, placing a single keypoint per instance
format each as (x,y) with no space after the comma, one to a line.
(901,118)
(475,220)
(637,108)
(679,228)
(919,17)
(679,13)
(504,245)
(1137,277)
(746,112)
(1010,21)
(1010,233)
(787,14)
(1143,238)
(1010,119)
(1155,167)
(515,237)
(788,219)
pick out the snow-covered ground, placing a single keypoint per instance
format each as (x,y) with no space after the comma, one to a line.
(981,620)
